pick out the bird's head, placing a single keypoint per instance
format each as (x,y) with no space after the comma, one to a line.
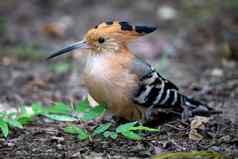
(107,37)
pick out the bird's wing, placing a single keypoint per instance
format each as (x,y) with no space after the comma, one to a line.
(152,89)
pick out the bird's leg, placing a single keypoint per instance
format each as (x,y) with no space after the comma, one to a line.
(149,114)
(186,114)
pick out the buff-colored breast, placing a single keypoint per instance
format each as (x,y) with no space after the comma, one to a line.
(109,81)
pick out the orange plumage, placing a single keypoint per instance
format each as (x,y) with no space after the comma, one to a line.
(109,81)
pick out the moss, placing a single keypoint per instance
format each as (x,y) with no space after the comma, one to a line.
(190,155)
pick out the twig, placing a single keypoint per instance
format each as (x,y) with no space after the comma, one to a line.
(177,145)
(176,128)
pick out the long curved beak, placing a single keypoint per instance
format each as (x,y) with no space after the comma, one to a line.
(77,45)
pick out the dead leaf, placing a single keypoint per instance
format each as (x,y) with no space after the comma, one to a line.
(197,123)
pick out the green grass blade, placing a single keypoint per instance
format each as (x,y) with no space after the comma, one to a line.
(143,128)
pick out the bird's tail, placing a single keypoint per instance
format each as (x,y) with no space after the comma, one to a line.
(193,107)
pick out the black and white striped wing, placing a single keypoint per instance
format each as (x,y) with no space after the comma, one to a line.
(154,90)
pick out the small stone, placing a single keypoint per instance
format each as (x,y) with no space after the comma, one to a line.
(59,146)
(10,144)
(217,72)
(77,154)
(216,148)
(166,12)
(56,138)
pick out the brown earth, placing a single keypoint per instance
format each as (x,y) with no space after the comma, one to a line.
(200,45)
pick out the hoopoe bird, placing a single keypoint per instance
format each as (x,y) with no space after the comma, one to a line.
(131,88)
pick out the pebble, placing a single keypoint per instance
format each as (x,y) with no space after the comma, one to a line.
(166,12)
(217,148)
(59,146)
(217,72)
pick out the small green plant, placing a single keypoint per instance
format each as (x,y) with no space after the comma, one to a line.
(128,130)
(81,112)
(58,111)
(85,112)
(73,129)
(103,129)
(8,120)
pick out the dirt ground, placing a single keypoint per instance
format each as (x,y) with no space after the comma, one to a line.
(48,140)
(200,56)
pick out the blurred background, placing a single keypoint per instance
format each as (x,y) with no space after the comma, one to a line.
(195,46)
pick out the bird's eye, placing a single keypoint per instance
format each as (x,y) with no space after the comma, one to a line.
(101,40)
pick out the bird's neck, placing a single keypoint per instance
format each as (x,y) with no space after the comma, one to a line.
(121,56)
(121,51)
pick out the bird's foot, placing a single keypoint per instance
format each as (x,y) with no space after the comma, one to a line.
(147,118)
(186,114)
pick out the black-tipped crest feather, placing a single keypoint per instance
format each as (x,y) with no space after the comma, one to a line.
(144,29)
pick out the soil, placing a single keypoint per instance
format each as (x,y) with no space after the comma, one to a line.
(201,58)
(48,140)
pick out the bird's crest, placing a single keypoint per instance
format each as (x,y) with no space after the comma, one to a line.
(124,26)
(119,30)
